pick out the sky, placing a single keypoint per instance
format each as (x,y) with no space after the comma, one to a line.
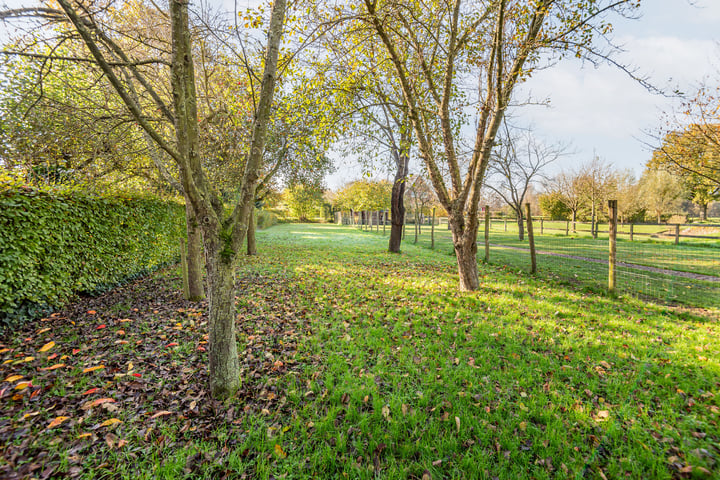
(602,111)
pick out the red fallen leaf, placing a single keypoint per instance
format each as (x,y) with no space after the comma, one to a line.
(51,356)
(100,326)
(92,390)
(91,312)
(173,344)
(96,402)
(35,393)
(53,367)
(76,351)
(136,375)
(200,349)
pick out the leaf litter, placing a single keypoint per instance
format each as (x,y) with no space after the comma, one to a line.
(114,390)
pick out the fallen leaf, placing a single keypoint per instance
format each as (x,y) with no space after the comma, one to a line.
(23,385)
(161,414)
(112,421)
(457,424)
(53,367)
(92,390)
(91,312)
(100,327)
(95,403)
(386,412)
(57,421)
(84,435)
(279,451)
(172,344)
(47,347)
(92,369)
(13,378)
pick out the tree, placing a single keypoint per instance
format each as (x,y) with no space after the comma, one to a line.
(364,195)
(661,191)
(569,186)
(694,155)
(304,200)
(222,234)
(630,204)
(552,205)
(433,47)
(518,159)
(596,181)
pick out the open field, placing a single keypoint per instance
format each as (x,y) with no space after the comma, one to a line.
(698,258)
(362,364)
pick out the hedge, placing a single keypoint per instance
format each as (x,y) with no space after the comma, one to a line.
(58,242)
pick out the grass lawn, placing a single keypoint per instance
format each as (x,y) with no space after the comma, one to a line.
(362,364)
(701,258)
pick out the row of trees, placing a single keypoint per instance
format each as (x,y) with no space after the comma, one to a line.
(224,107)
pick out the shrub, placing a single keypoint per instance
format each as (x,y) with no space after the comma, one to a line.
(265,219)
(57,242)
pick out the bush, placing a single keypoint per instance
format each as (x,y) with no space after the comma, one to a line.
(265,219)
(57,242)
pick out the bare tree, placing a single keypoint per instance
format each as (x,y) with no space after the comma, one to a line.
(596,180)
(518,160)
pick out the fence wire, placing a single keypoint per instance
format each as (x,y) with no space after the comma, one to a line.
(649,265)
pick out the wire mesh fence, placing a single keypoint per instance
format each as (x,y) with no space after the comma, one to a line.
(667,263)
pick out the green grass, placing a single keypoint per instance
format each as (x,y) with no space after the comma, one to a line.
(693,257)
(387,371)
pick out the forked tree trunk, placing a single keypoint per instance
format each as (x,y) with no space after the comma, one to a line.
(195,263)
(251,245)
(465,245)
(224,373)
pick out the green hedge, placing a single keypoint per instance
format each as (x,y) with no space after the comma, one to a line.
(54,243)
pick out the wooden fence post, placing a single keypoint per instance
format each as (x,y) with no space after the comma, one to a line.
(377,225)
(384,221)
(432,230)
(487,234)
(531,240)
(505,224)
(631,232)
(612,233)
(677,234)
(184,266)
(567,228)
(542,225)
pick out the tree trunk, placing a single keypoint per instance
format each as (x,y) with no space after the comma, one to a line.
(703,210)
(251,245)
(465,245)
(196,288)
(397,203)
(521,225)
(574,219)
(224,374)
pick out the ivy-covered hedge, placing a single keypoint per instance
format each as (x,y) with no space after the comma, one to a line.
(57,242)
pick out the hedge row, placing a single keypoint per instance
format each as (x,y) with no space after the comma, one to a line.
(54,243)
